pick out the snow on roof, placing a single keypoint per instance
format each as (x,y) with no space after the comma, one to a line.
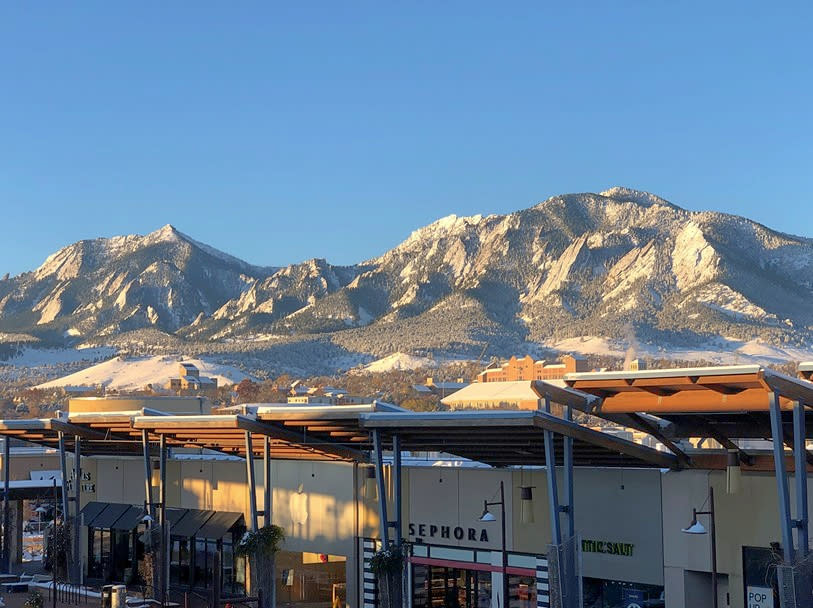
(676,372)
(450,385)
(493,391)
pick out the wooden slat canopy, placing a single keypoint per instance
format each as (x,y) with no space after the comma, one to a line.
(723,403)
(712,390)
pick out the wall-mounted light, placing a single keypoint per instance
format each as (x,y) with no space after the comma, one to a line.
(526,496)
(733,472)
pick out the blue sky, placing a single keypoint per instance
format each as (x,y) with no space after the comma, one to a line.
(283,131)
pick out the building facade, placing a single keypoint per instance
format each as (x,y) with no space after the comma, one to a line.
(526,368)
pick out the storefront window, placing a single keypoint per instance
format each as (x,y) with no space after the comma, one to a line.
(179,562)
(599,593)
(759,570)
(521,591)
(96,539)
(314,579)
(441,587)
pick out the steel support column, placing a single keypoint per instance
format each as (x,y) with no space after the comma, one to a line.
(550,474)
(252,484)
(162,506)
(6,517)
(268,506)
(162,476)
(781,477)
(145,446)
(568,457)
(63,470)
(396,465)
(77,489)
(382,488)
(800,455)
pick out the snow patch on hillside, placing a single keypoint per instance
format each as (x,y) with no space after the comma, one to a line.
(134,373)
(722,351)
(398,361)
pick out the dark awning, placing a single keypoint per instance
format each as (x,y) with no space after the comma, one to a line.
(110,515)
(173,515)
(91,511)
(218,525)
(190,523)
(129,519)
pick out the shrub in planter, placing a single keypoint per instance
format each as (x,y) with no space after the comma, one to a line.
(259,547)
(34,600)
(388,567)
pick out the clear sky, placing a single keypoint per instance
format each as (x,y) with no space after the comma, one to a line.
(283,131)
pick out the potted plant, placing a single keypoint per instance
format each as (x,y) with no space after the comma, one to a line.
(259,547)
(388,567)
(34,600)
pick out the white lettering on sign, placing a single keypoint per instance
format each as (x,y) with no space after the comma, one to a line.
(759,597)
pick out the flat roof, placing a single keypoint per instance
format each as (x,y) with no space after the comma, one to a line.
(512,438)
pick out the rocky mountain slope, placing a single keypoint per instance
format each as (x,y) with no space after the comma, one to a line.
(619,263)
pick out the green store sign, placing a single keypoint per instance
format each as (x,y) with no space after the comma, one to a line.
(607,547)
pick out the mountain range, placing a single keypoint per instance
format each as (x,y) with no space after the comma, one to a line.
(621,263)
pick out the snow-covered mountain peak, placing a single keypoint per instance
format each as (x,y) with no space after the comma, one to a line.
(450,225)
(647,199)
(165,234)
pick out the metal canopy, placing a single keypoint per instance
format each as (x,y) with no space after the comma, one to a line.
(219,524)
(300,433)
(45,432)
(317,424)
(512,438)
(227,433)
(191,522)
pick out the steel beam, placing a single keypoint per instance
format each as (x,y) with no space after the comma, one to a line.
(268,506)
(6,517)
(799,453)
(396,465)
(550,474)
(568,462)
(63,469)
(145,445)
(162,505)
(162,483)
(252,484)
(382,488)
(781,477)
(77,494)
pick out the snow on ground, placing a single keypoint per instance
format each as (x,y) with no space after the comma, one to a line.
(724,351)
(398,361)
(133,373)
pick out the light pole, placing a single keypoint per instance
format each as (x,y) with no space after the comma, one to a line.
(488,516)
(697,528)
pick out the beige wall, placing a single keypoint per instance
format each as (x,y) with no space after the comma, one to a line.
(22,464)
(610,505)
(748,518)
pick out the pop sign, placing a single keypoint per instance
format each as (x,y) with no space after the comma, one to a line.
(759,597)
